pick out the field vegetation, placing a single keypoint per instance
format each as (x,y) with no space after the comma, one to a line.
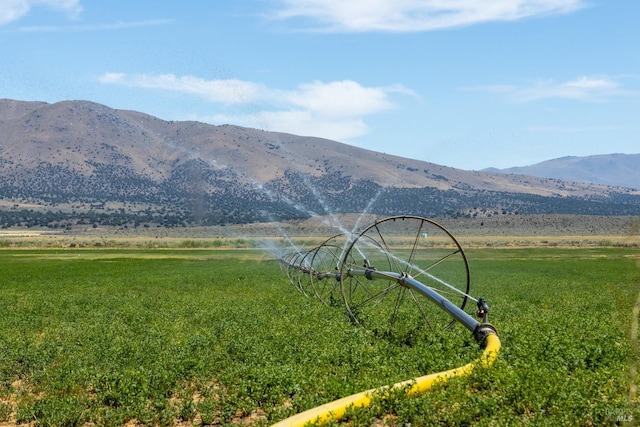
(196,334)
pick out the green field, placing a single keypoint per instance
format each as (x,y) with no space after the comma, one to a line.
(221,337)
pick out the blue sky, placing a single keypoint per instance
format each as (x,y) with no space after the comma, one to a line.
(463,83)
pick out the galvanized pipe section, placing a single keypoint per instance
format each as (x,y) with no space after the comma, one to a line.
(404,280)
(454,311)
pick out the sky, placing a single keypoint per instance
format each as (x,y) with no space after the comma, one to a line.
(469,84)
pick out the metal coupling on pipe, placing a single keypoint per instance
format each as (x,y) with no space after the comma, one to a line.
(368,271)
(482,331)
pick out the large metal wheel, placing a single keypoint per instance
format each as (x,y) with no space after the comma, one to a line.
(404,246)
(306,272)
(326,266)
(294,269)
(285,264)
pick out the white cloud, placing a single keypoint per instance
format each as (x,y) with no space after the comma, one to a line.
(298,122)
(334,110)
(590,83)
(12,10)
(339,99)
(581,89)
(229,91)
(417,15)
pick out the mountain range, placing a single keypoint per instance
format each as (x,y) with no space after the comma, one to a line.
(78,162)
(620,170)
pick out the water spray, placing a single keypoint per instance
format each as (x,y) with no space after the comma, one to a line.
(399,276)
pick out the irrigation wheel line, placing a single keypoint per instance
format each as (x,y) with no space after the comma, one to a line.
(337,409)
(381,271)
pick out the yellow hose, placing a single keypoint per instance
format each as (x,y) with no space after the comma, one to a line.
(335,410)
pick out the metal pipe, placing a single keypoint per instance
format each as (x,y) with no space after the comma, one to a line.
(405,280)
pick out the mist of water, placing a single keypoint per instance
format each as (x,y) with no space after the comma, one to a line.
(328,218)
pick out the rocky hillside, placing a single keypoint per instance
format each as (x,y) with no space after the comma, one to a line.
(78,162)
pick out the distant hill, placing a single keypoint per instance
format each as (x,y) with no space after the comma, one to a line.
(622,170)
(78,163)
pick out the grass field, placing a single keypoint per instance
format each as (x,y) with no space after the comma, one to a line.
(221,337)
